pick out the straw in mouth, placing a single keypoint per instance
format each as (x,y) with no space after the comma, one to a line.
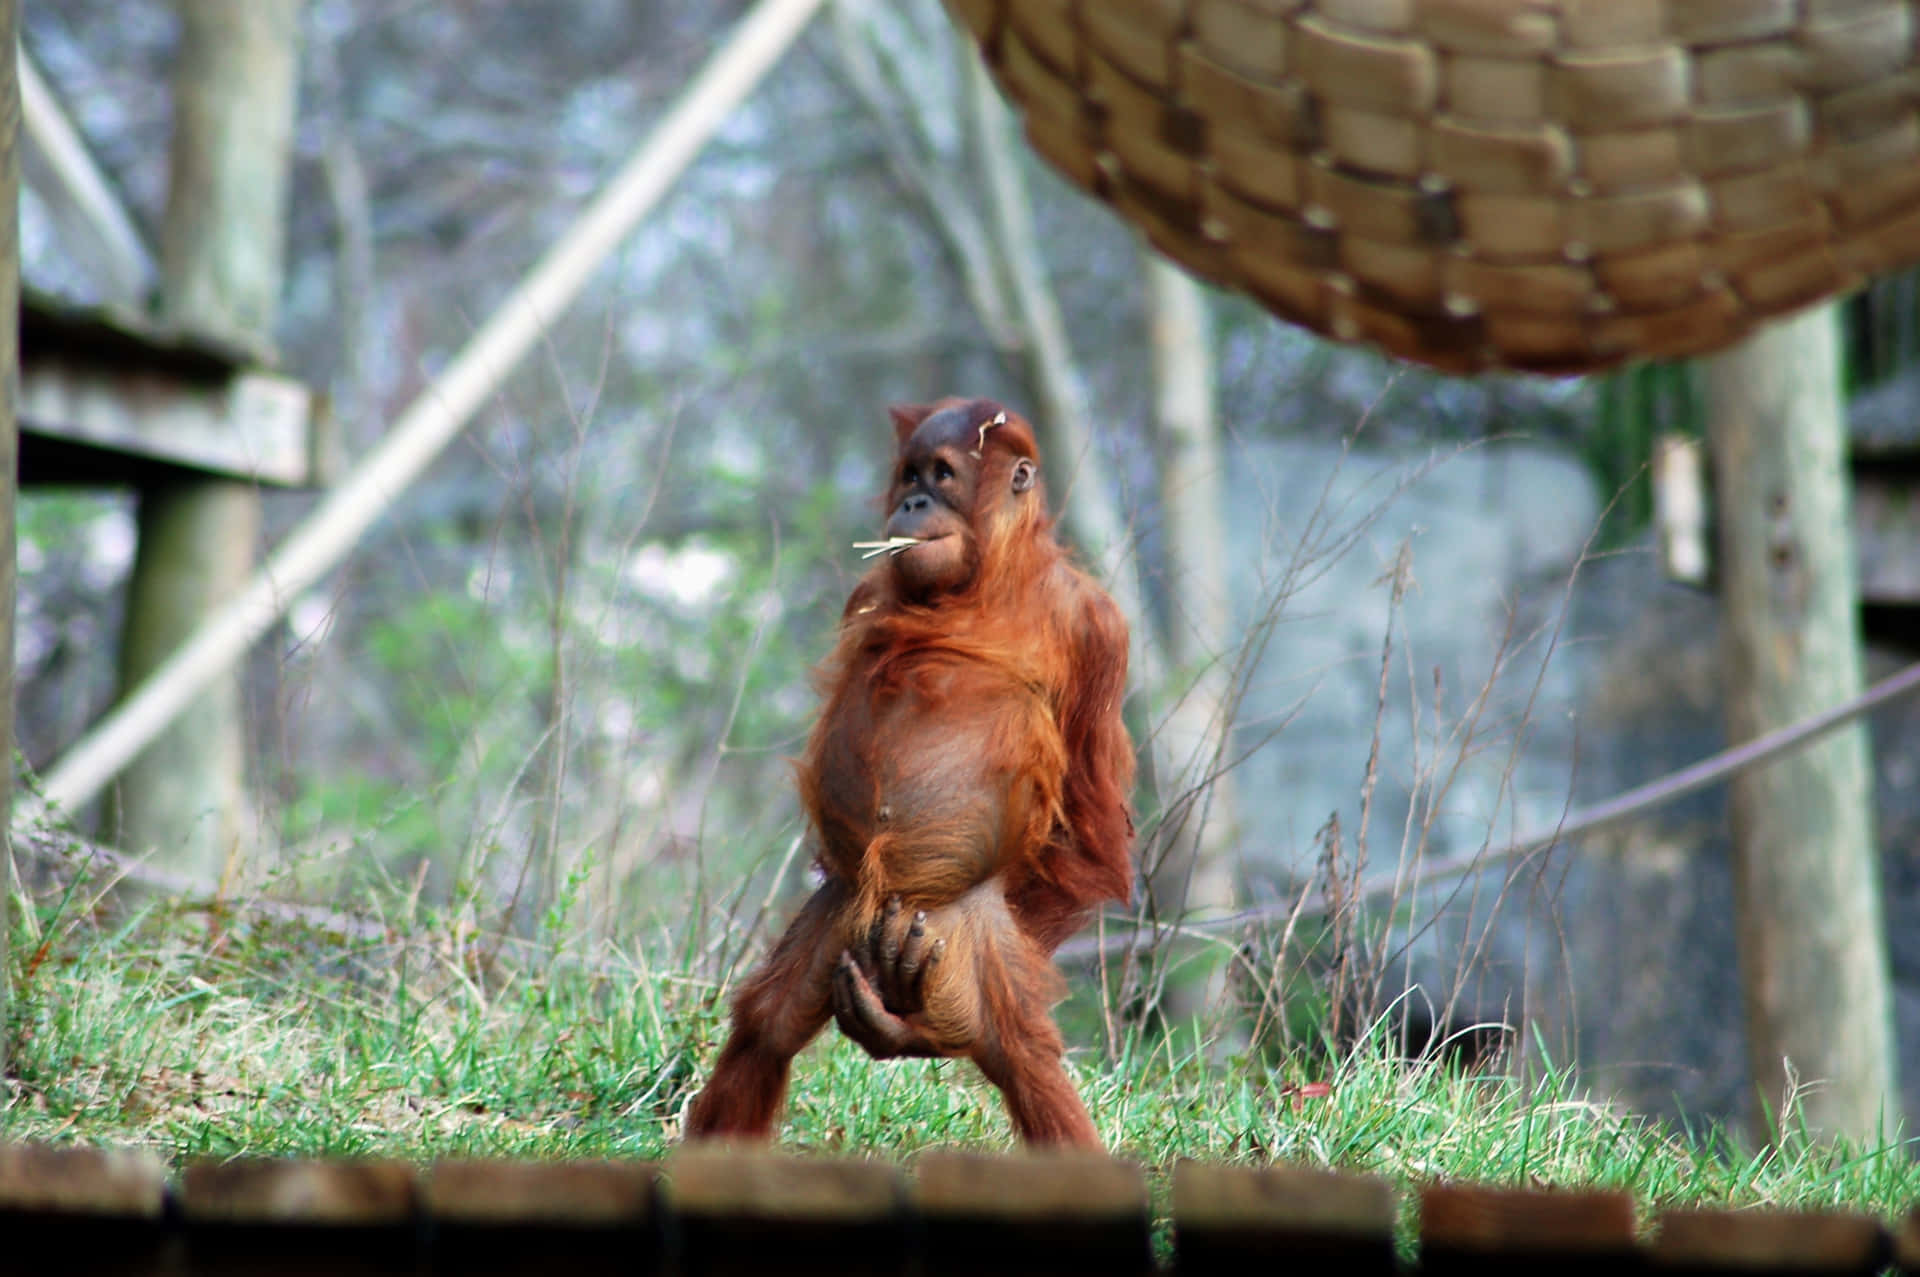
(892,545)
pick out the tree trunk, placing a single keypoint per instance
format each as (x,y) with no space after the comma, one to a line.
(1813,951)
(1192,861)
(222,250)
(1196,870)
(1089,506)
(9,469)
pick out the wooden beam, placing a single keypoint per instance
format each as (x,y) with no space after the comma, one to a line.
(255,427)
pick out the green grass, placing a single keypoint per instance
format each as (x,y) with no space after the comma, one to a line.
(276,1039)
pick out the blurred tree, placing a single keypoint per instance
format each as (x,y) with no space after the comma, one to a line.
(1192,865)
(222,251)
(1813,951)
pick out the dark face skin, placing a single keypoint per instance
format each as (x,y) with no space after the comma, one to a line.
(935,487)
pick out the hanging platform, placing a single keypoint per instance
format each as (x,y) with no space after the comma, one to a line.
(1551,185)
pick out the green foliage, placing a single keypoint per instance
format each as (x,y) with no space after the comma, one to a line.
(450,696)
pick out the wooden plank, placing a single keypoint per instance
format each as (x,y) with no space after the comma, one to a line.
(1226,1218)
(1485,1231)
(1705,1242)
(1034,1212)
(1712,319)
(1664,276)
(1906,1243)
(1251,232)
(1729,141)
(1618,90)
(1397,76)
(254,427)
(1391,17)
(1409,276)
(1514,228)
(1369,142)
(1255,170)
(1048,30)
(1391,211)
(1747,75)
(730,1207)
(1242,39)
(1504,160)
(1139,36)
(1550,344)
(1540,288)
(1727,21)
(1283,112)
(1178,230)
(1479,90)
(1793,282)
(1855,48)
(253,1215)
(74,1180)
(1499,30)
(501,1217)
(1450,342)
(1610,24)
(1872,178)
(1638,220)
(100,1210)
(1631,158)
(1135,128)
(1883,246)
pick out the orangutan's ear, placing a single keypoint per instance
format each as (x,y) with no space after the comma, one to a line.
(1025,472)
(907,418)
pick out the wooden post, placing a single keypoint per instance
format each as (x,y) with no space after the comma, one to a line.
(221,271)
(1192,860)
(1813,953)
(9,454)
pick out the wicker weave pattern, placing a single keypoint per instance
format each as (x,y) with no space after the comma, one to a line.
(1555,185)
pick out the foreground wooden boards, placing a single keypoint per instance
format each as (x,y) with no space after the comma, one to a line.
(1706,1242)
(1228,1219)
(727,1210)
(1490,1230)
(100,1209)
(298,1217)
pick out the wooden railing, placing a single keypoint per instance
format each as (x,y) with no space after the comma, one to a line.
(725,1211)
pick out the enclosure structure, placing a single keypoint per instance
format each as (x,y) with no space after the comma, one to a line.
(1557,187)
(710,1209)
(110,398)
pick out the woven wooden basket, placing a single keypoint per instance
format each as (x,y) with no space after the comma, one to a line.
(1554,185)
